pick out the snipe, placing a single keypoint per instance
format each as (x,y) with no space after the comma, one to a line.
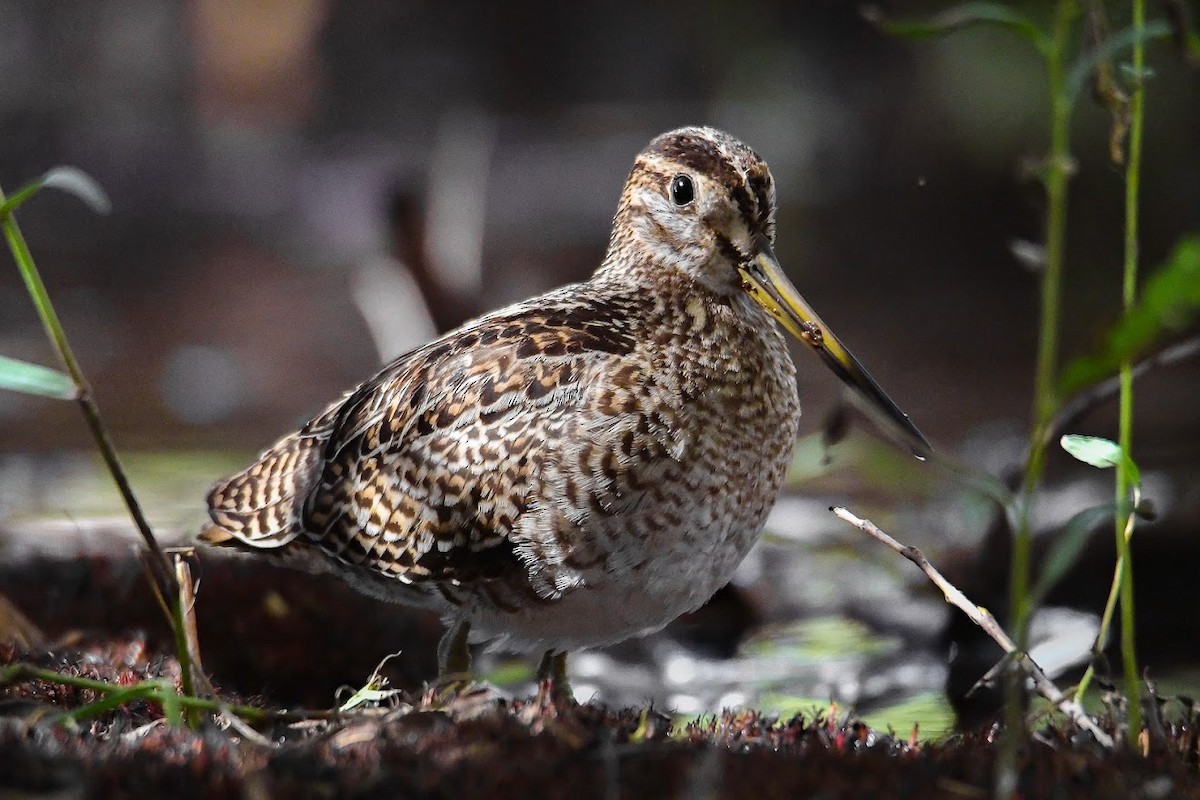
(581,467)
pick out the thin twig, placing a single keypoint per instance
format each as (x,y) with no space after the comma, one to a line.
(245,731)
(984,619)
(187,600)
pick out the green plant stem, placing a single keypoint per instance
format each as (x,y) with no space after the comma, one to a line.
(115,696)
(1133,169)
(1055,175)
(1110,606)
(54,329)
(155,690)
(1045,395)
(91,414)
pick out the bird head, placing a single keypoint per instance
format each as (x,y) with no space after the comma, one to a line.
(701,203)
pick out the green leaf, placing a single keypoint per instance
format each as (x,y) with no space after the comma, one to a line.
(962,16)
(21,376)
(375,691)
(71,180)
(1101,453)
(368,696)
(172,708)
(75,181)
(1170,301)
(1094,450)
(1068,547)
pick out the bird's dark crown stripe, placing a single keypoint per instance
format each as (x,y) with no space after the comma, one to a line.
(653,172)
(693,152)
(702,154)
(699,154)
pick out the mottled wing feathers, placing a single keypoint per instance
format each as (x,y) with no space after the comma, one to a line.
(433,464)
(431,470)
(258,506)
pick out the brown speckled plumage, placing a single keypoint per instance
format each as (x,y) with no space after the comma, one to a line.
(574,469)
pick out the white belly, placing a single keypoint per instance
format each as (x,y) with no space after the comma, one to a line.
(606,609)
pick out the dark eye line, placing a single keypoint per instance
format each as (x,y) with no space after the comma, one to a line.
(747,206)
(731,251)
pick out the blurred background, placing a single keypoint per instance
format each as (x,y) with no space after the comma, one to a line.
(304,189)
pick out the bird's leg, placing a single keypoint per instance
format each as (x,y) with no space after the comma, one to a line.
(453,652)
(553,685)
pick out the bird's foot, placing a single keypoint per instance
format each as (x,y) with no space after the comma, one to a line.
(459,696)
(454,651)
(446,687)
(455,686)
(554,689)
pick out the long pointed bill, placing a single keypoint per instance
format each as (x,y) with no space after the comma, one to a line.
(772,289)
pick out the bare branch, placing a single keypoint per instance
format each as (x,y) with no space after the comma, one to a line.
(984,619)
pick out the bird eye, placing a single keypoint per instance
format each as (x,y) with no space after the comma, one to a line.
(682,192)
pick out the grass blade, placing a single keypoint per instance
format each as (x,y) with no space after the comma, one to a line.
(76,181)
(71,180)
(21,376)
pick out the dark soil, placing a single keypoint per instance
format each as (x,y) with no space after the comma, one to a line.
(273,638)
(263,629)
(476,744)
